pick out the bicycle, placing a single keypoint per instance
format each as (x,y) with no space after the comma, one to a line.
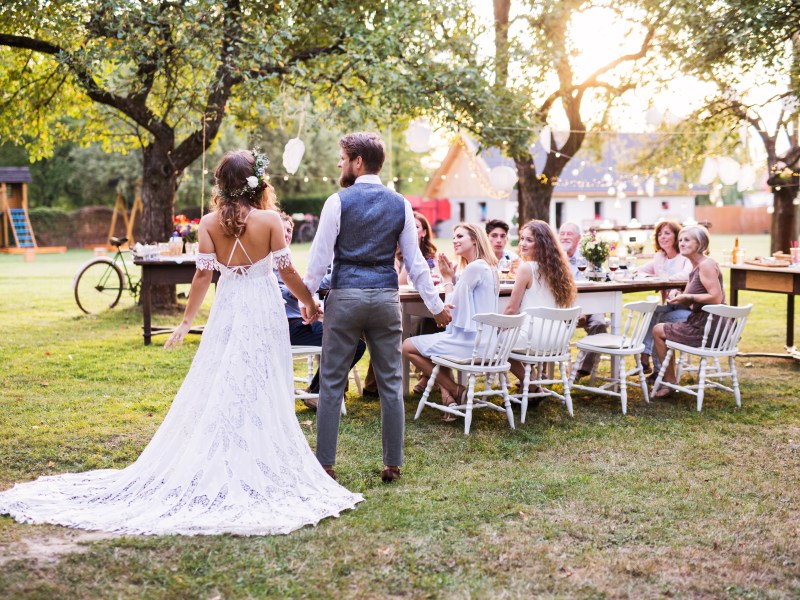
(99,283)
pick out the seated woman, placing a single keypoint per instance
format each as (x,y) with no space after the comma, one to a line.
(475,290)
(704,287)
(667,262)
(544,278)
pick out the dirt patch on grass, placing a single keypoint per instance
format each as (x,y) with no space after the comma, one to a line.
(49,548)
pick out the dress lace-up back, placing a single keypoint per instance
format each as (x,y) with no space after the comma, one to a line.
(230,456)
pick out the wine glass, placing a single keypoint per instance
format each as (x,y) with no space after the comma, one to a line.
(613,263)
(581,263)
(504,266)
(632,266)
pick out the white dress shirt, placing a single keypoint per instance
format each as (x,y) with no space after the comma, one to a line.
(325,240)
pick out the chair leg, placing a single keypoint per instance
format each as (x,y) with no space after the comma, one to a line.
(426,393)
(470,400)
(562,366)
(623,384)
(526,381)
(574,368)
(701,383)
(357,379)
(734,376)
(663,370)
(680,361)
(642,378)
(507,400)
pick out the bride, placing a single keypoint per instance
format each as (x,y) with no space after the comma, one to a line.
(230,456)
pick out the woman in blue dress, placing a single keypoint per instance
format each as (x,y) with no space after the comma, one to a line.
(470,290)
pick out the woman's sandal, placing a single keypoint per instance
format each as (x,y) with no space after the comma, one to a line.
(664,392)
(421,385)
(449,400)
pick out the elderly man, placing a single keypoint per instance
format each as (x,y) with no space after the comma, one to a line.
(570,236)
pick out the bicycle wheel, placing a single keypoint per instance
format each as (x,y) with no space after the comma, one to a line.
(98,286)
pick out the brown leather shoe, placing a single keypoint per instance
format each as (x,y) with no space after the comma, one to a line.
(331,472)
(310,403)
(389,474)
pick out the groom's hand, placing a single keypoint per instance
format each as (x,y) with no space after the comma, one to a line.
(310,314)
(443,318)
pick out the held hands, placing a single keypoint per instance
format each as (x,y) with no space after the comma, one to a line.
(444,317)
(310,314)
(176,339)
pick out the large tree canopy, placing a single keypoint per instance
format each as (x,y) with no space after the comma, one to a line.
(750,51)
(163,75)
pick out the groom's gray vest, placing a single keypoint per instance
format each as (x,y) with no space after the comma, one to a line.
(372,219)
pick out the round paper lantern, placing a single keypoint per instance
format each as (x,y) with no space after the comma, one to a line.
(709,170)
(728,170)
(650,187)
(561,138)
(544,138)
(747,177)
(653,116)
(418,135)
(503,178)
(293,154)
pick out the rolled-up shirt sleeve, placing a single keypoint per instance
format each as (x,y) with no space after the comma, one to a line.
(321,253)
(419,273)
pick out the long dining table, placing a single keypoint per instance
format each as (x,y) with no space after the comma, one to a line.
(593,298)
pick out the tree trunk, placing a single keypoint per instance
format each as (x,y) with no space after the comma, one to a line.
(533,195)
(784,219)
(159,183)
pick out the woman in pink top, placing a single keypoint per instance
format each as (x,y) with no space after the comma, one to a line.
(667,262)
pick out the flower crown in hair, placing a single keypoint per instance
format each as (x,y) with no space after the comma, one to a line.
(254,183)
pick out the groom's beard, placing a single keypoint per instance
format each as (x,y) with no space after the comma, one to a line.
(347,178)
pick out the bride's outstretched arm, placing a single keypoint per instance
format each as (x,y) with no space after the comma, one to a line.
(197,293)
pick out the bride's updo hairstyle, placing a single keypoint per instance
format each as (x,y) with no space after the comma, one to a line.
(241,181)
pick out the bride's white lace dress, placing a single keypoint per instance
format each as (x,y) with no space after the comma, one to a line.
(230,456)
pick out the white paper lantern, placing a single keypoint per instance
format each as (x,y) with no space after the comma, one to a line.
(709,170)
(653,116)
(561,138)
(503,178)
(728,170)
(293,154)
(747,177)
(650,187)
(418,135)
(544,138)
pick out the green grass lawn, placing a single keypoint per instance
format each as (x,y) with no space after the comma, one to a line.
(661,502)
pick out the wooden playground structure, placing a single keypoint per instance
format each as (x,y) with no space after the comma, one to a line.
(14,208)
(121,208)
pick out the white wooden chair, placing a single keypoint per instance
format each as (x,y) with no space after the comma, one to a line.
(311,354)
(618,346)
(497,335)
(549,333)
(721,336)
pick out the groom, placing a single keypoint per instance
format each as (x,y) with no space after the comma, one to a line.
(360,228)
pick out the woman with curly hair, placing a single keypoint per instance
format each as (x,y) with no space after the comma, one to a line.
(544,277)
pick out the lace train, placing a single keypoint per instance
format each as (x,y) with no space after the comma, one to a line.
(230,456)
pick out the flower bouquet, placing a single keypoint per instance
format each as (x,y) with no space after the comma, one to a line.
(594,250)
(186,229)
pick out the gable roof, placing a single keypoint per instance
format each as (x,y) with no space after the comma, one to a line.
(15,175)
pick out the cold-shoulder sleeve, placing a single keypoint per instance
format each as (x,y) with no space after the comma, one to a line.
(474,293)
(282,258)
(206,262)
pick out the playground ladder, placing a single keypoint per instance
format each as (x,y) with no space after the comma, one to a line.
(23,232)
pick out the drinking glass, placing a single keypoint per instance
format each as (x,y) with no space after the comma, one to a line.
(504,266)
(613,263)
(581,263)
(795,252)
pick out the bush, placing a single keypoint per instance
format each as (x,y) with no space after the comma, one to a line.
(51,226)
(303,204)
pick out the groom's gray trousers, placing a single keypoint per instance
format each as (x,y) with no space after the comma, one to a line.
(348,313)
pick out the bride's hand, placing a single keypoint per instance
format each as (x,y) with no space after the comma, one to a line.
(310,314)
(176,339)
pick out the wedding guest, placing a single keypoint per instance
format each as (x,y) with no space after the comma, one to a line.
(704,287)
(472,291)
(667,262)
(305,334)
(543,278)
(426,245)
(497,230)
(570,236)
